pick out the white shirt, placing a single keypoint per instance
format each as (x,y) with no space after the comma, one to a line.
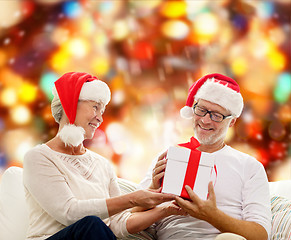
(241,190)
(61,189)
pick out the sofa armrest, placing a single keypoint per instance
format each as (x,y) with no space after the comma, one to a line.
(13,208)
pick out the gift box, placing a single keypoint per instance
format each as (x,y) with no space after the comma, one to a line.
(186,166)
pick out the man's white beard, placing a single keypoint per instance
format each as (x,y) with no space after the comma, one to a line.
(212,138)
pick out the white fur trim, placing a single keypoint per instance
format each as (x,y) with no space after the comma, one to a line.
(95,90)
(72,135)
(222,95)
(186,112)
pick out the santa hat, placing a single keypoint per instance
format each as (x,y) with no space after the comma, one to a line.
(216,88)
(70,88)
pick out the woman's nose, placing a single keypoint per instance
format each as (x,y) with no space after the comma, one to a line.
(99,117)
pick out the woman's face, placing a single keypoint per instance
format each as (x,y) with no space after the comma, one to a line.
(89,116)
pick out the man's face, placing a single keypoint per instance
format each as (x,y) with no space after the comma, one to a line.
(207,131)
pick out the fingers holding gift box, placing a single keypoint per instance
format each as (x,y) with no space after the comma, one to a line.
(159,171)
(198,208)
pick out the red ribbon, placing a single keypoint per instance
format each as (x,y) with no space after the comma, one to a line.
(192,167)
(193,144)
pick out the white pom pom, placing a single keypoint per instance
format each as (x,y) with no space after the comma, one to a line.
(72,135)
(186,112)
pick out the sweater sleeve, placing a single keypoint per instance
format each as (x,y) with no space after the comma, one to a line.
(256,196)
(50,190)
(117,221)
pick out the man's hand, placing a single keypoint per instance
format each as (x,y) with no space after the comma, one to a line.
(197,207)
(159,172)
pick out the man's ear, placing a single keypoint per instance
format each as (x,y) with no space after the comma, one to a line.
(232,122)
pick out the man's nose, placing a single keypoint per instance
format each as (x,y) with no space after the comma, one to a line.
(206,118)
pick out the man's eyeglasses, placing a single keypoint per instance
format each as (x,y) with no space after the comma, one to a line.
(214,116)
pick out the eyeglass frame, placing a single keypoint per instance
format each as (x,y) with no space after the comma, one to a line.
(210,113)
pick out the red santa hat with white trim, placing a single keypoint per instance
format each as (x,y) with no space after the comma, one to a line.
(72,87)
(216,88)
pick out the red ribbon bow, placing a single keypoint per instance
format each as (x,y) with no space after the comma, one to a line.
(193,144)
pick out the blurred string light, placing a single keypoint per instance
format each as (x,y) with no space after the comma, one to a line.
(173,9)
(100,66)
(8,97)
(144,8)
(20,114)
(106,6)
(277,35)
(47,82)
(77,47)
(120,30)
(282,90)
(239,66)
(145,3)
(175,29)
(60,60)
(60,35)
(265,9)
(10,13)
(86,26)
(100,40)
(195,7)
(284,113)
(205,28)
(277,60)
(27,92)
(17,143)
(72,9)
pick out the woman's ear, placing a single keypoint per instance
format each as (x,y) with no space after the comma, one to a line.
(232,122)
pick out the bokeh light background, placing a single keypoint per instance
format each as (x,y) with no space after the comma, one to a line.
(149,52)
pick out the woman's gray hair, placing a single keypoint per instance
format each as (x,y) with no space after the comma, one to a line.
(56,107)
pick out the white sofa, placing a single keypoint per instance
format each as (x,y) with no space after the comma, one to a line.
(14,213)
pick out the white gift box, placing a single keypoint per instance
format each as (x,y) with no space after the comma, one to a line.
(187,167)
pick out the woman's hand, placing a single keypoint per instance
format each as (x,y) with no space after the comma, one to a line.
(171,208)
(147,199)
(159,171)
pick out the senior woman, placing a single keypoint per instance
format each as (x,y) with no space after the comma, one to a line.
(72,192)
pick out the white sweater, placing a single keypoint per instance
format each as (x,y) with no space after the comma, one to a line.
(241,190)
(61,189)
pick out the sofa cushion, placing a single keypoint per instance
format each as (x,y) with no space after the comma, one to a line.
(281,218)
